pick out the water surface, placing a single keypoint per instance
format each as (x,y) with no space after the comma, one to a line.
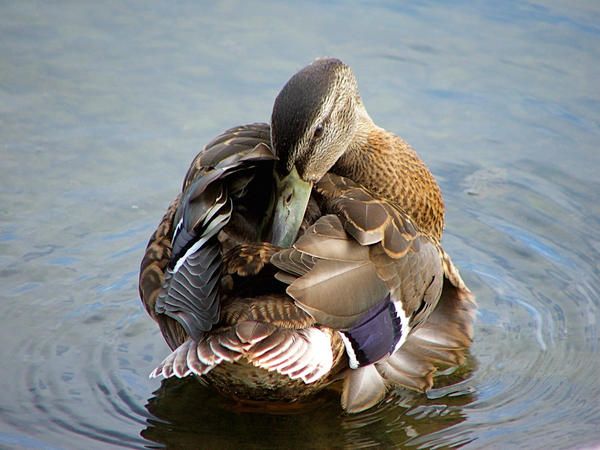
(103,106)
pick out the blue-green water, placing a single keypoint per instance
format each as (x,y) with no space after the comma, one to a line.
(104,104)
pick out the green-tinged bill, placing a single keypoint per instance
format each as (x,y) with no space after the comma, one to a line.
(293,194)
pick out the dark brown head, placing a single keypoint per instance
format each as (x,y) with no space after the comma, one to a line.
(314,118)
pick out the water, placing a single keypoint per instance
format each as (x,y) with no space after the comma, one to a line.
(103,106)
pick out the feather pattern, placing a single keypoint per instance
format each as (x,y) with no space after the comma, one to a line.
(304,354)
(352,283)
(190,289)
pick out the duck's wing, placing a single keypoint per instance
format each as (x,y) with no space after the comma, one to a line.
(181,269)
(269,332)
(367,271)
(442,340)
(363,268)
(259,324)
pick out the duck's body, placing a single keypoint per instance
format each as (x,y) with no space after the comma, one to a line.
(366,294)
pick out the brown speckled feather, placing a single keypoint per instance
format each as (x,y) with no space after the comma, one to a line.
(386,165)
(152,276)
(407,261)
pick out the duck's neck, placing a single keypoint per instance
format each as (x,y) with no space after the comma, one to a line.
(389,167)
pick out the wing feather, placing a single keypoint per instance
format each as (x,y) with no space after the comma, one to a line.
(304,354)
(183,262)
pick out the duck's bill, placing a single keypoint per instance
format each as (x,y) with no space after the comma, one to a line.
(292,199)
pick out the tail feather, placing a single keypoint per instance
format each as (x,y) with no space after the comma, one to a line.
(363,389)
(417,376)
(441,340)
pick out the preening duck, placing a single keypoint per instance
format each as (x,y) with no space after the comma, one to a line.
(305,252)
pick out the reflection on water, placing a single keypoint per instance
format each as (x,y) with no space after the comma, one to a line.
(185,410)
(102,107)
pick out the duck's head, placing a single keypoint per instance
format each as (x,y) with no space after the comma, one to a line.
(314,120)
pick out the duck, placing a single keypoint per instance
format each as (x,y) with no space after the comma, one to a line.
(304,254)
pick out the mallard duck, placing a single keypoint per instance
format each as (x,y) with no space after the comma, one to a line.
(305,252)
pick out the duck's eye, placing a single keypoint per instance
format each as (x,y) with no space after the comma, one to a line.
(318,131)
